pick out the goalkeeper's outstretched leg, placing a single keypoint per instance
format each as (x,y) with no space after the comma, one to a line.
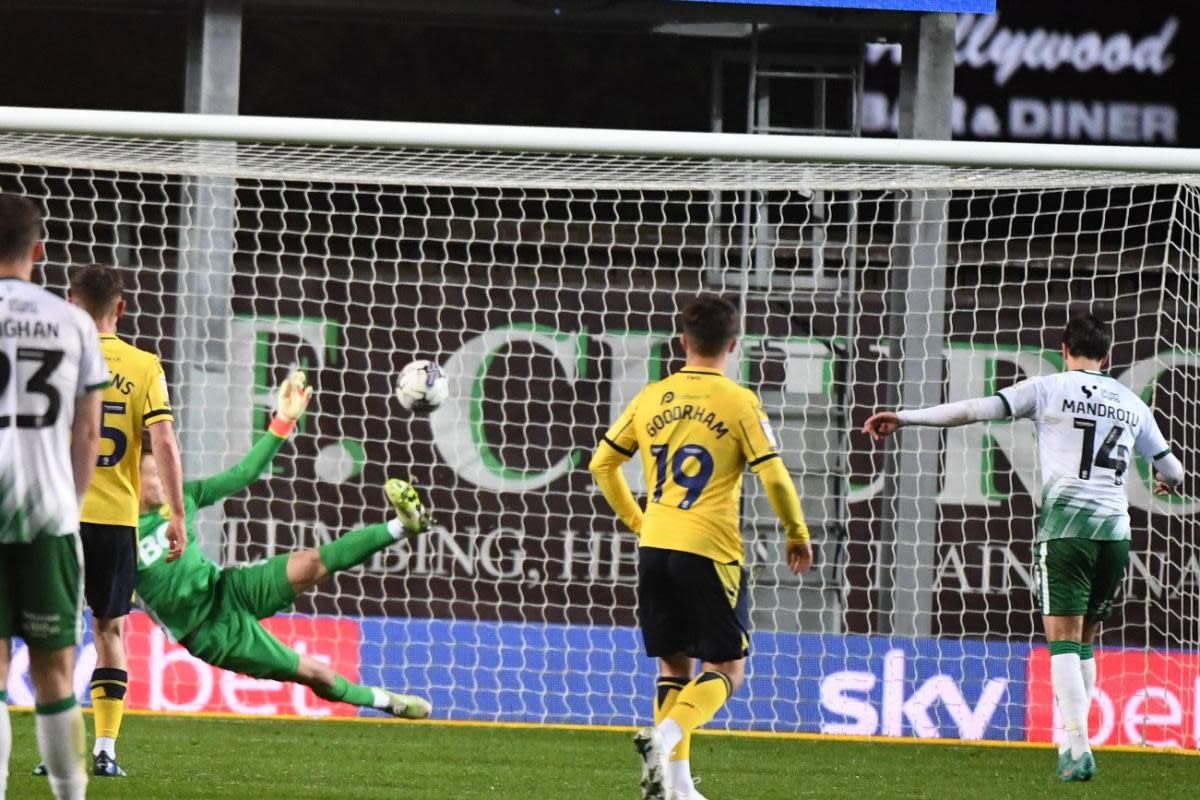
(257,592)
(308,568)
(329,685)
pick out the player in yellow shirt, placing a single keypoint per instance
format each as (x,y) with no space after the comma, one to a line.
(136,401)
(696,432)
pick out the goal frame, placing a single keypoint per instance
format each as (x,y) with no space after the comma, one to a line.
(921,254)
(677,144)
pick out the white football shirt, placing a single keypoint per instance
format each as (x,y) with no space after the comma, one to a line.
(1088,426)
(49,356)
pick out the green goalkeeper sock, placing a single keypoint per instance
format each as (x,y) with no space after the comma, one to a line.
(343,691)
(356,547)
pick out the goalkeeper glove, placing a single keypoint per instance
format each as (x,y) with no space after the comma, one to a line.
(411,511)
(293,399)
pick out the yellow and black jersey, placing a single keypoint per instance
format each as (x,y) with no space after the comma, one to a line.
(696,432)
(136,399)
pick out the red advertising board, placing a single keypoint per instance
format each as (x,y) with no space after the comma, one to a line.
(1141,697)
(165,677)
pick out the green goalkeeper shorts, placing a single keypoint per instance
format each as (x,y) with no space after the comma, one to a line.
(232,638)
(1079,577)
(41,592)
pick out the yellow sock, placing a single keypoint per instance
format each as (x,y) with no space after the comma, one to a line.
(666,692)
(700,700)
(108,703)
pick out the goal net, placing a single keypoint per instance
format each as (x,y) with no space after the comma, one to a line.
(547,285)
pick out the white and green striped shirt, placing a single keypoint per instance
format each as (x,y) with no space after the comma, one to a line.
(1088,426)
(49,356)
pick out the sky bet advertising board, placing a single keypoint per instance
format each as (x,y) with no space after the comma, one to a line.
(837,685)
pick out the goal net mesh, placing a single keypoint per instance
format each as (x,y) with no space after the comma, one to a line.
(548,287)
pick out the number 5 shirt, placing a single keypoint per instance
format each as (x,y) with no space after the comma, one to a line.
(1087,426)
(695,432)
(136,399)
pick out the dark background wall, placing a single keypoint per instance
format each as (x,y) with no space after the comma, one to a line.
(550,72)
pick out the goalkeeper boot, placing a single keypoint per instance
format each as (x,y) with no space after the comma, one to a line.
(656,776)
(1077,769)
(409,508)
(103,766)
(406,706)
(40,771)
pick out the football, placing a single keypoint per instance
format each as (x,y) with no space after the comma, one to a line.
(422,386)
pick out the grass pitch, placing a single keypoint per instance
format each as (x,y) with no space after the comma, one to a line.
(176,758)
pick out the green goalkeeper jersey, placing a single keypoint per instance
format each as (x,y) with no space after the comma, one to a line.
(180,594)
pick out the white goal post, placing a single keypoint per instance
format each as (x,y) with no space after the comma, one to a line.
(543,269)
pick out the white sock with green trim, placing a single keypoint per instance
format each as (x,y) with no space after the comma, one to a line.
(1060,732)
(63,742)
(1067,679)
(1087,664)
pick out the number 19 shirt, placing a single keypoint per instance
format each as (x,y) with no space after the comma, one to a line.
(696,431)
(1087,425)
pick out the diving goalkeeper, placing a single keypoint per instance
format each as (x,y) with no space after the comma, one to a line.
(215,612)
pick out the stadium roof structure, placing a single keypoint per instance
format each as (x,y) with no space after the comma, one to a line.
(924,28)
(883,16)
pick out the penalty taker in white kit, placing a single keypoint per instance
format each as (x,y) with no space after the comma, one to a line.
(1087,424)
(215,612)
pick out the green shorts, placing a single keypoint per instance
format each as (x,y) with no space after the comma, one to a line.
(232,638)
(1079,577)
(41,592)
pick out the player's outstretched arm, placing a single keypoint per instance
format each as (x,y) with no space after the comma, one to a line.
(948,415)
(291,402)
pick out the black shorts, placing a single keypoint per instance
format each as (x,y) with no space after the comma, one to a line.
(692,604)
(109,568)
